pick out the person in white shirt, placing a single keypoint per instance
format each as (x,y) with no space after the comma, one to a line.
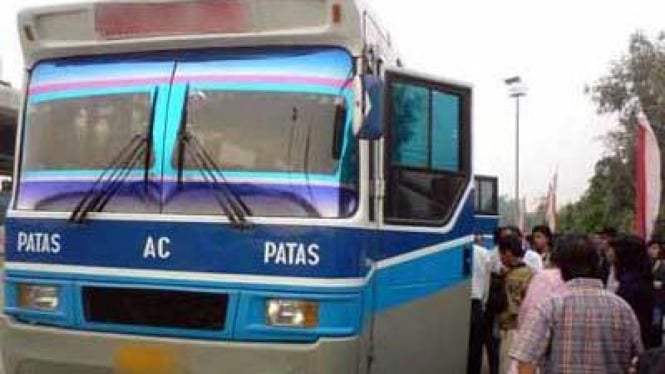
(533,260)
(479,289)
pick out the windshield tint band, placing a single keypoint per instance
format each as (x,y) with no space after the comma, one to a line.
(194,198)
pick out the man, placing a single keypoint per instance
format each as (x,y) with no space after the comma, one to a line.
(585,329)
(479,288)
(542,239)
(495,302)
(530,257)
(517,276)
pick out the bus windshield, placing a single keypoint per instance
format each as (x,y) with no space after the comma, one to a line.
(275,127)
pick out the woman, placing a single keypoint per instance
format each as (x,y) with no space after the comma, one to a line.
(656,255)
(633,272)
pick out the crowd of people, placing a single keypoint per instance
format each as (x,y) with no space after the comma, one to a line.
(567,304)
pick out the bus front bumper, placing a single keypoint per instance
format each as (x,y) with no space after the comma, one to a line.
(33,349)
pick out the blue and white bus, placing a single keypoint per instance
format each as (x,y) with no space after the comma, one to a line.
(234,186)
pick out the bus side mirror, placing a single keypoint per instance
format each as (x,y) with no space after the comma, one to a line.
(371,127)
(338,131)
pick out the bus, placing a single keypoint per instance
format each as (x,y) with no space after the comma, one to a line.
(234,186)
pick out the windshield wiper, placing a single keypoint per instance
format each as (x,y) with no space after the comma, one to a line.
(230,202)
(105,188)
(110,179)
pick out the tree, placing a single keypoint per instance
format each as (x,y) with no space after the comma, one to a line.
(635,81)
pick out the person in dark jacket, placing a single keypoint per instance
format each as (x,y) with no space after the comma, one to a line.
(633,272)
(657,262)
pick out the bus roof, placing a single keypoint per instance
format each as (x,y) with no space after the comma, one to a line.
(107,27)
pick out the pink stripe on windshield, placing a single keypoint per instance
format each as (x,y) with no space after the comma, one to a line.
(78,85)
(242,78)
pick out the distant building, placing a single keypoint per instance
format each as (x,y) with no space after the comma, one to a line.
(9,109)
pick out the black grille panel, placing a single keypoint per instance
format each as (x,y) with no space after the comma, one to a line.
(155,308)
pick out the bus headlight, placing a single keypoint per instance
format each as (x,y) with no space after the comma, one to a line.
(38,297)
(292,313)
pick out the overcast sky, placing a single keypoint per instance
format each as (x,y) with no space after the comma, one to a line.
(557,47)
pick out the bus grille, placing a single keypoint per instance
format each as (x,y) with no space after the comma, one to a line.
(155,308)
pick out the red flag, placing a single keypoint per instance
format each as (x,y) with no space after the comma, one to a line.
(550,203)
(647,202)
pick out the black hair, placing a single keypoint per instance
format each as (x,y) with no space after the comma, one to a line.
(577,257)
(501,229)
(543,229)
(515,230)
(513,244)
(631,256)
(609,231)
(554,249)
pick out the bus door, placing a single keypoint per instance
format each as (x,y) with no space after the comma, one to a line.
(422,296)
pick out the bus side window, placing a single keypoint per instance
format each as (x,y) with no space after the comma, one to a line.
(486,198)
(428,146)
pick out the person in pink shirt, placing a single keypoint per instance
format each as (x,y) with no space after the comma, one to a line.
(544,284)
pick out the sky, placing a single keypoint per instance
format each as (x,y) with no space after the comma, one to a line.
(556,47)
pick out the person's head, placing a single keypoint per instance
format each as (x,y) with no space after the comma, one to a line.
(542,235)
(607,234)
(631,256)
(510,250)
(577,257)
(654,250)
(515,230)
(501,232)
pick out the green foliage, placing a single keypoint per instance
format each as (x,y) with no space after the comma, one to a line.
(636,80)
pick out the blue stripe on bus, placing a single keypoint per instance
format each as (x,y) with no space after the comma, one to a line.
(217,247)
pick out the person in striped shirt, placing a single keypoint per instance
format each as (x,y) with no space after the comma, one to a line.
(585,329)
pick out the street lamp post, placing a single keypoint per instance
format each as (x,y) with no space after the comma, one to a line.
(516,89)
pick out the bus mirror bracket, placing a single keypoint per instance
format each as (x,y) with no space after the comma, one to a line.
(370,125)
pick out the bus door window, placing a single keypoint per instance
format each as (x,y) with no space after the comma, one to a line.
(428,150)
